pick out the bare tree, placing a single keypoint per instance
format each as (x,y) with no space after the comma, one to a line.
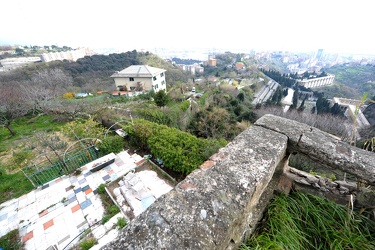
(336,125)
(45,86)
(12,106)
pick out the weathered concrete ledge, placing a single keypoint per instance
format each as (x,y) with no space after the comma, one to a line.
(213,208)
(323,147)
(218,205)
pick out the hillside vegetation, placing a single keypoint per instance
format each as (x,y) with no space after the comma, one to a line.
(353,81)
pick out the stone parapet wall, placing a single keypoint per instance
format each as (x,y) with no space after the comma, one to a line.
(219,205)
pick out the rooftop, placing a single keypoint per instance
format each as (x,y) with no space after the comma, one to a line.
(138,71)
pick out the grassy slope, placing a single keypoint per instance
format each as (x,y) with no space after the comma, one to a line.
(14,185)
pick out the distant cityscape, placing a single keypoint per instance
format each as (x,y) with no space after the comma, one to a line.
(295,62)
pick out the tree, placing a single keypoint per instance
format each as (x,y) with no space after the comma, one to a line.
(302,106)
(295,99)
(161,98)
(285,92)
(322,105)
(241,96)
(336,110)
(12,106)
(46,85)
(20,51)
(313,109)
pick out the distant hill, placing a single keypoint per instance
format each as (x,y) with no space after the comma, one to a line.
(92,73)
(360,78)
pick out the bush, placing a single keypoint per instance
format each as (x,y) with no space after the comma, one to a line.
(87,243)
(68,95)
(111,144)
(121,222)
(83,129)
(180,151)
(11,241)
(113,210)
(184,105)
(106,218)
(101,189)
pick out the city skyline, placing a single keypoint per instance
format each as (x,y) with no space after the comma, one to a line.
(291,25)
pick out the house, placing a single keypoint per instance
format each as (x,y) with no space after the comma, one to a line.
(140,78)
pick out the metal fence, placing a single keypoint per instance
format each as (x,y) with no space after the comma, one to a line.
(51,169)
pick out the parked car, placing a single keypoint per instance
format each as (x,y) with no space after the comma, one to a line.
(193,89)
(198,95)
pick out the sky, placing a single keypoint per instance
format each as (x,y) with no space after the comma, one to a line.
(337,26)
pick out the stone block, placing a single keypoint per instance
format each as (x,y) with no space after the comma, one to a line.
(215,208)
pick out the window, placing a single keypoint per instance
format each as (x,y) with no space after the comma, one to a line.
(131,79)
(161,74)
(154,78)
(162,82)
(156,87)
(132,89)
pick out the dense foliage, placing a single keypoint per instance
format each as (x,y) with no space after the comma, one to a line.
(282,79)
(111,144)
(300,221)
(360,78)
(11,241)
(179,151)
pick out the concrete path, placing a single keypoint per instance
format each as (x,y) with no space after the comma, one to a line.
(54,214)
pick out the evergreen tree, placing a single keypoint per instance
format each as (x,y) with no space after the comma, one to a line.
(313,110)
(302,106)
(322,105)
(241,96)
(295,99)
(336,110)
(161,98)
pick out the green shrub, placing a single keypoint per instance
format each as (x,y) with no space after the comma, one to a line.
(121,222)
(87,243)
(87,128)
(101,189)
(184,105)
(180,151)
(11,241)
(106,218)
(111,144)
(113,210)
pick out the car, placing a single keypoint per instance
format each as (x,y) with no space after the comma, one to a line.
(198,95)
(193,89)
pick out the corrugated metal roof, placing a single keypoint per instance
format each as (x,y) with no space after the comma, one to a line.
(138,71)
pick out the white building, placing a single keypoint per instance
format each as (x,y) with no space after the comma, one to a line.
(72,55)
(317,82)
(140,78)
(349,106)
(16,62)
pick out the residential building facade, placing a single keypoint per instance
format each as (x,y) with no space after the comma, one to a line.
(140,78)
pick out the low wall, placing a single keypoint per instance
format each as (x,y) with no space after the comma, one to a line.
(219,205)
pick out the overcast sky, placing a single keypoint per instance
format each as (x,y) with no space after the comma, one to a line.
(298,25)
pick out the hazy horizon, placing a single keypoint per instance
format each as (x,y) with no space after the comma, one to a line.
(336,26)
